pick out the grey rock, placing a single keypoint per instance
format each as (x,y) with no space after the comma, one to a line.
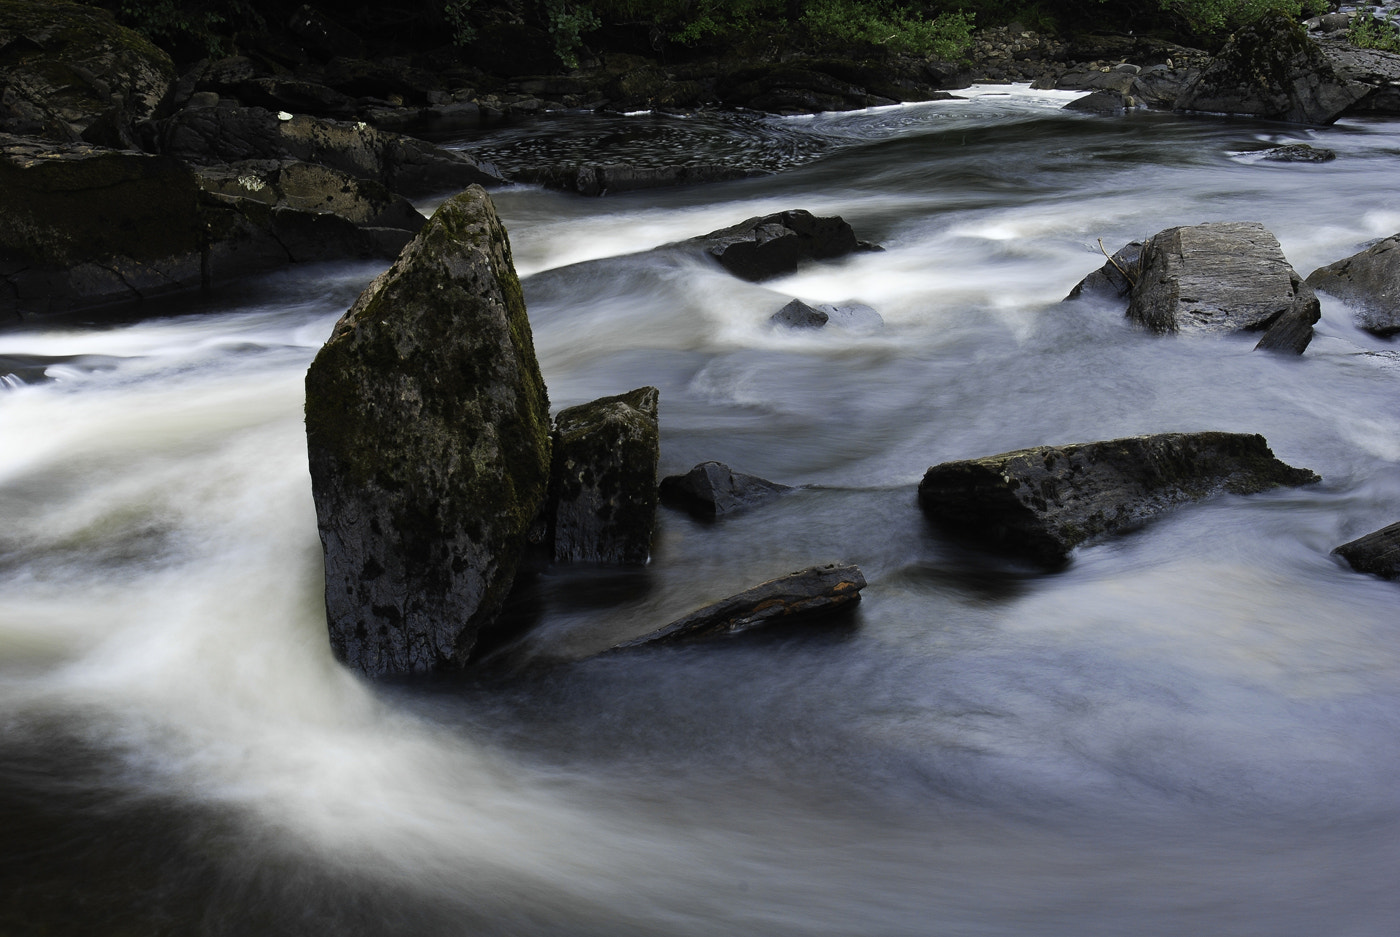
(1159,87)
(1100,102)
(312,188)
(1223,277)
(799,596)
(798,315)
(603,480)
(713,489)
(428,435)
(1271,69)
(1116,278)
(773,245)
(1377,553)
(1042,502)
(1298,153)
(1369,282)
(854,316)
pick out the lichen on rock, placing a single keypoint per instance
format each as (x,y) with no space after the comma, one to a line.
(428,435)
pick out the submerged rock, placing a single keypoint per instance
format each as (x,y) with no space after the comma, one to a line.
(713,489)
(1043,502)
(773,245)
(603,178)
(798,315)
(1298,153)
(1223,277)
(1369,282)
(603,480)
(1271,69)
(817,590)
(1377,553)
(428,434)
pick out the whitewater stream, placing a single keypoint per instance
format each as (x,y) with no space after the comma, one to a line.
(1192,729)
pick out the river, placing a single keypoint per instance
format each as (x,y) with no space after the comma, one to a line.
(1194,728)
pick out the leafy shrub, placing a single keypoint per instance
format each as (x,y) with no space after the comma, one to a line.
(879,22)
(1367,32)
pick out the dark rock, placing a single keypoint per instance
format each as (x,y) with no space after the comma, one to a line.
(1271,69)
(65,67)
(604,178)
(322,36)
(603,480)
(1092,79)
(774,245)
(817,590)
(1100,102)
(1378,70)
(1223,277)
(713,489)
(798,315)
(1159,86)
(86,226)
(428,435)
(1298,153)
(794,87)
(1377,553)
(1369,282)
(403,164)
(310,187)
(1116,278)
(297,96)
(1043,502)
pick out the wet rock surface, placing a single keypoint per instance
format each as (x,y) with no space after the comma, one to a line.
(712,489)
(1041,503)
(428,436)
(1369,282)
(603,178)
(602,502)
(773,245)
(807,593)
(1377,553)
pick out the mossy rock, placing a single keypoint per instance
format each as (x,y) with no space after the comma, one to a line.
(428,434)
(67,65)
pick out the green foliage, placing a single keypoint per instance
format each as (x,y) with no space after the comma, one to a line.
(457,13)
(567,24)
(880,22)
(1367,32)
(1210,17)
(205,24)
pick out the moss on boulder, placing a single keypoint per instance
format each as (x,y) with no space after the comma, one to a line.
(428,433)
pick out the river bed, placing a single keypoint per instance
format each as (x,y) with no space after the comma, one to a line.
(1194,728)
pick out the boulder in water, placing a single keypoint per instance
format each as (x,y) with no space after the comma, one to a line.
(815,591)
(1369,282)
(1271,69)
(713,489)
(1298,153)
(1042,502)
(1223,277)
(773,245)
(603,480)
(798,315)
(428,434)
(1377,553)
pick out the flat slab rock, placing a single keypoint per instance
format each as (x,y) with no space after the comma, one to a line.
(1042,502)
(817,590)
(1377,553)
(1369,282)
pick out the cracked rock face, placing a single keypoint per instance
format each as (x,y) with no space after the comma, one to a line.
(1369,282)
(427,430)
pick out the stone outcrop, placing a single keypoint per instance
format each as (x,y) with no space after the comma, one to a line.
(1369,282)
(428,435)
(229,133)
(602,501)
(1219,277)
(773,245)
(1041,503)
(807,593)
(1271,69)
(1377,553)
(1376,70)
(713,489)
(70,73)
(312,188)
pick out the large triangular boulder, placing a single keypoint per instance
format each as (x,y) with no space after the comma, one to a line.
(428,435)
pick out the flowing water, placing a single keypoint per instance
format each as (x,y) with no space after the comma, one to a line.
(1193,729)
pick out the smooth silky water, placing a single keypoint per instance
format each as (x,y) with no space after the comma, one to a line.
(1194,728)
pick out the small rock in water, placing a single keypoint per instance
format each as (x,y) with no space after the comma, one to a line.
(713,489)
(1298,153)
(817,590)
(774,245)
(1377,553)
(799,315)
(856,316)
